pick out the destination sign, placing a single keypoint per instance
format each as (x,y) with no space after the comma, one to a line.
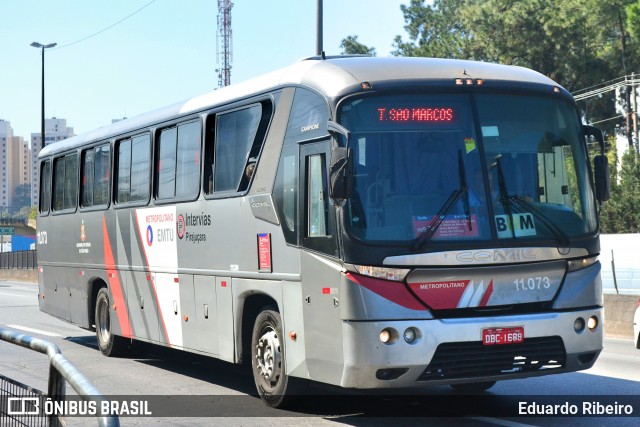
(416,114)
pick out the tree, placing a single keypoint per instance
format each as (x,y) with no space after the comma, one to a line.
(621,214)
(22,196)
(351,46)
(434,30)
(577,43)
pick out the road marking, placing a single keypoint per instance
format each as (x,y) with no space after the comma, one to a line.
(499,422)
(16,295)
(35,331)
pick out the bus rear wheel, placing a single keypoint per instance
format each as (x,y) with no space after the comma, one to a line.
(473,387)
(267,359)
(108,343)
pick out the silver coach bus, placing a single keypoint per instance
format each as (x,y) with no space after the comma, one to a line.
(361,222)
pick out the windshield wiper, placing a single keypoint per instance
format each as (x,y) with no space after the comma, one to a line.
(435,223)
(526,206)
(509,200)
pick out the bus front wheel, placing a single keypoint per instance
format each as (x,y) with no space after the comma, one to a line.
(267,359)
(109,344)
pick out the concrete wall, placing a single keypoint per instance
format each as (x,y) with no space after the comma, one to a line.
(618,315)
(18,275)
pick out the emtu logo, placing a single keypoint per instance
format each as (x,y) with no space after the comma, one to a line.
(181,226)
(149,235)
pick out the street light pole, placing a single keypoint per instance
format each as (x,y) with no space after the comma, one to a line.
(43,47)
(319,26)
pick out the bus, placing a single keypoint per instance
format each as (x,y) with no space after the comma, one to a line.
(404,222)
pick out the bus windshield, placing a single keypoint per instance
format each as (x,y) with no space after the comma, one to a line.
(425,172)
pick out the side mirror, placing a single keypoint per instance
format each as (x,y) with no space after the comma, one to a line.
(600,166)
(601,176)
(339,176)
(596,133)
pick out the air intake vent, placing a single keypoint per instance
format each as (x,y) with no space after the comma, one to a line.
(472,359)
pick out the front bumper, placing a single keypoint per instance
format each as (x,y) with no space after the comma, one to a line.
(399,364)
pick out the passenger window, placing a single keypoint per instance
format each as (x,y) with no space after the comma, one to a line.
(86,190)
(45,187)
(65,183)
(123,191)
(188,165)
(178,168)
(235,133)
(233,145)
(133,168)
(102,177)
(94,190)
(140,167)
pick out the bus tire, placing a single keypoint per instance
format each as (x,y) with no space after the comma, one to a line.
(268,361)
(109,344)
(473,387)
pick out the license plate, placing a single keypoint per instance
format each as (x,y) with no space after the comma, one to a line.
(499,336)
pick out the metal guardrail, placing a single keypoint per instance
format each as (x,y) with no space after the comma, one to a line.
(29,415)
(26,260)
(61,369)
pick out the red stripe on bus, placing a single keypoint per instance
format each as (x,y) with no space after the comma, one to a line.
(115,285)
(150,277)
(393,291)
(487,295)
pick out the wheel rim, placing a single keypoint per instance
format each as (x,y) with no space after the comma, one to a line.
(268,356)
(103,325)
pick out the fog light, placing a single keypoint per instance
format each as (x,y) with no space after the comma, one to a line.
(410,335)
(592,323)
(578,325)
(385,336)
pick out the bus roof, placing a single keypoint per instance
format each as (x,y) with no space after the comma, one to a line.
(329,76)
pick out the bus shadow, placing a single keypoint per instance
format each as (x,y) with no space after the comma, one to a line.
(375,407)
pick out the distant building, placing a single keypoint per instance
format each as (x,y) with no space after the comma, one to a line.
(19,170)
(6,137)
(54,130)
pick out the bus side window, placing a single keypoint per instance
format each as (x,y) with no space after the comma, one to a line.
(232,145)
(65,182)
(87,174)
(102,168)
(45,187)
(133,166)
(178,162)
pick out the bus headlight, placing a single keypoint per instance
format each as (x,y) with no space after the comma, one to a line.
(578,264)
(410,335)
(394,274)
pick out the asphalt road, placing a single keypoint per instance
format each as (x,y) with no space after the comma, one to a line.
(223,394)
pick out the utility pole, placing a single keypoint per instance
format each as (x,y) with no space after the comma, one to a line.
(319,25)
(224,42)
(634,112)
(627,87)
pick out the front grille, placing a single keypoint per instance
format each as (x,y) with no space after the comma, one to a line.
(472,359)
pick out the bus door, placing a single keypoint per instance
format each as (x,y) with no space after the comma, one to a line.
(320,269)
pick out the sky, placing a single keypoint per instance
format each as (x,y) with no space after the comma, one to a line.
(163,54)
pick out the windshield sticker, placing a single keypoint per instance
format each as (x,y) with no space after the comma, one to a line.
(451,226)
(469,144)
(523,225)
